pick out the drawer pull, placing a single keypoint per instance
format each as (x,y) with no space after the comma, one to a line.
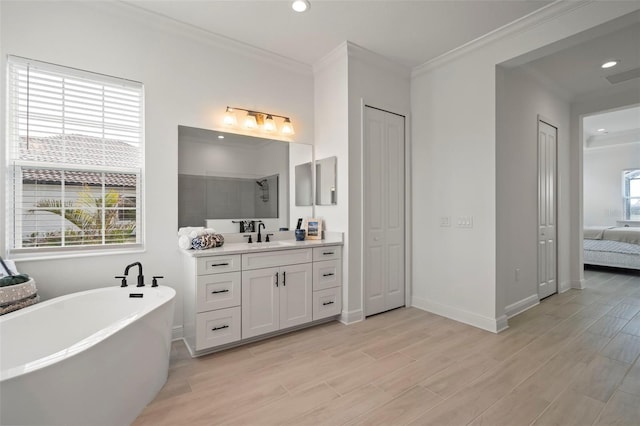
(220,264)
(219,328)
(328,303)
(328,275)
(220,291)
(327,253)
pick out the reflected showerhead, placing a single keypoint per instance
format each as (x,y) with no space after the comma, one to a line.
(261,182)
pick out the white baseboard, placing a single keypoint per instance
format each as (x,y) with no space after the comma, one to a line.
(349,317)
(579,285)
(490,324)
(521,306)
(502,323)
(177,332)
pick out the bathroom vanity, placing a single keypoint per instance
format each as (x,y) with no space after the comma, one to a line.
(242,292)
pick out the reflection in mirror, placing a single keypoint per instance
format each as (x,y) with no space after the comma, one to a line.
(326,181)
(304,184)
(225,177)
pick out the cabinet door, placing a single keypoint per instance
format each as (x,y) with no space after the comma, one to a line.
(296,295)
(260,301)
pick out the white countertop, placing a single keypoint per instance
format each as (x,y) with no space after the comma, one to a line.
(330,239)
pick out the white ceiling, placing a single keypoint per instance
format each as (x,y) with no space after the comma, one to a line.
(620,127)
(407,32)
(576,70)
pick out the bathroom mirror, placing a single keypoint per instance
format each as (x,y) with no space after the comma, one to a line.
(225,177)
(326,181)
(304,184)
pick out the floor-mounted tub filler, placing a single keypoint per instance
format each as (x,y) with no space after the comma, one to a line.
(96,357)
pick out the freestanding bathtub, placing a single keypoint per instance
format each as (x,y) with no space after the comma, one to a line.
(97,357)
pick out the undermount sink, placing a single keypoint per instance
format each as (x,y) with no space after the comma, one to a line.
(256,246)
(271,244)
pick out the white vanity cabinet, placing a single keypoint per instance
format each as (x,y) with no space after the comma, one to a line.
(275,298)
(276,290)
(327,281)
(212,306)
(230,298)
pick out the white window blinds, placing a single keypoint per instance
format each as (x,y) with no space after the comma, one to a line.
(75,159)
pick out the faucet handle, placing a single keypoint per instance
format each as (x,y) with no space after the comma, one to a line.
(250,240)
(267,239)
(154,282)
(124,281)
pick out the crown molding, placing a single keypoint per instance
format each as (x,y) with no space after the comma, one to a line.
(166,24)
(379,61)
(340,52)
(533,19)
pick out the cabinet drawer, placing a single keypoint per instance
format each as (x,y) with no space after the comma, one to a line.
(275,258)
(327,253)
(217,327)
(217,264)
(217,291)
(327,303)
(327,274)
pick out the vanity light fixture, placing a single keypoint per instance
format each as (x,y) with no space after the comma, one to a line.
(270,124)
(256,120)
(610,64)
(250,121)
(230,117)
(300,5)
(287,127)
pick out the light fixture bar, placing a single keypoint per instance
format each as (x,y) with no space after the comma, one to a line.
(251,111)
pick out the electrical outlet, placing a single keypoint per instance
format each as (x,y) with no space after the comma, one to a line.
(445,221)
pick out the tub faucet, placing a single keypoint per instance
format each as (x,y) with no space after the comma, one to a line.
(140,276)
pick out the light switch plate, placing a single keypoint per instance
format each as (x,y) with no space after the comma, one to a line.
(445,221)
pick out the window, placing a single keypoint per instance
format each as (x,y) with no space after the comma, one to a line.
(74,161)
(631,189)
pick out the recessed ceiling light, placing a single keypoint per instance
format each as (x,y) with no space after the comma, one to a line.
(610,64)
(602,131)
(300,5)
(220,137)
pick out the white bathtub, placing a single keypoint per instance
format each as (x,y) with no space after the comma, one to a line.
(97,357)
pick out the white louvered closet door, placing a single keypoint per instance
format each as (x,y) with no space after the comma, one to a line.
(547,246)
(384,223)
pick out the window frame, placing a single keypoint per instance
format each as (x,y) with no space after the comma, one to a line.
(14,165)
(626,195)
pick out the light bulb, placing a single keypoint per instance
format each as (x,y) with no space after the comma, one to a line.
(287,127)
(269,124)
(609,64)
(250,121)
(300,5)
(230,117)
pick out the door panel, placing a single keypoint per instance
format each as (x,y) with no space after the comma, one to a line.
(384,225)
(260,302)
(547,233)
(295,295)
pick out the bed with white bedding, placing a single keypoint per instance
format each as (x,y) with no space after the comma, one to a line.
(617,247)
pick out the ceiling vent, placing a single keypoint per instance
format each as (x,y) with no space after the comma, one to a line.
(623,76)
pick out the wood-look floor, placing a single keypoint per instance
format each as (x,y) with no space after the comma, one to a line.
(572,360)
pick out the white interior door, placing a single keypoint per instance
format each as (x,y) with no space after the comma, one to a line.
(547,232)
(384,226)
